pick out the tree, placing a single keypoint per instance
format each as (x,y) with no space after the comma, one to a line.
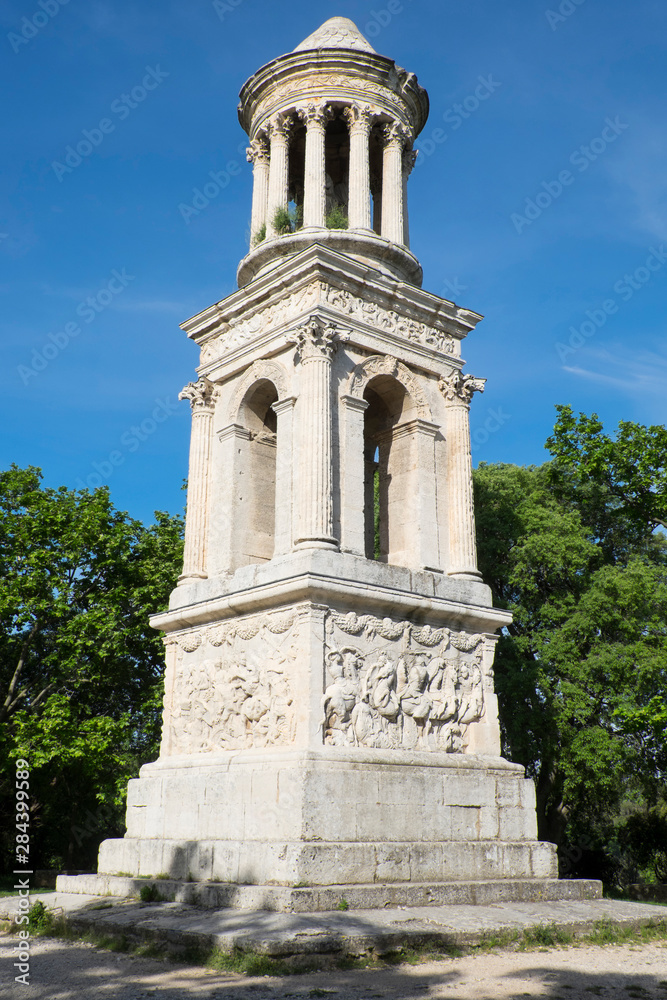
(80,668)
(582,670)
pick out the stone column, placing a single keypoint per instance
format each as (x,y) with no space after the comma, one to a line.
(428,544)
(359,119)
(353,514)
(315,118)
(280,129)
(316,344)
(233,439)
(409,157)
(258,154)
(202,395)
(457,390)
(395,138)
(284,410)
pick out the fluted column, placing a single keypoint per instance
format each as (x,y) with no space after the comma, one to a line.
(316,344)
(457,390)
(284,410)
(280,129)
(202,396)
(258,154)
(353,500)
(409,158)
(315,118)
(395,138)
(359,119)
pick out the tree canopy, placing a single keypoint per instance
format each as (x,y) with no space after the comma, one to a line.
(571,548)
(80,667)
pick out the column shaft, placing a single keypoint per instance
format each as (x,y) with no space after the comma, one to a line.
(353,500)
(392,184)
(409,158)
(201,395)
(462,545)
(314,193)
(278,170)
(258,154)
(284,410)
(359,209)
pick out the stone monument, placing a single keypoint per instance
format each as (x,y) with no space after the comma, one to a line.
(330,722)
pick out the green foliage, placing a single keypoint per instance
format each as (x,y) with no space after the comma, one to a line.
(80,667)
(287,220)
(337,218)
(150,894)
(581,674)
(259,236)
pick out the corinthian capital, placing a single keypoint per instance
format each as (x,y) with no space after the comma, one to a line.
(460,388)
(281,126)
(202,394)
(359,117)
(258,149)
(317,339)
(315,114)
(394,132)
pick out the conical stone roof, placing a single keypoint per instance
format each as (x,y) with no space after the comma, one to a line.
(336,33)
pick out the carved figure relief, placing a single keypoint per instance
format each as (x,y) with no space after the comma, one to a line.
(393,695)
(389,320)
(237,334)
(240,696)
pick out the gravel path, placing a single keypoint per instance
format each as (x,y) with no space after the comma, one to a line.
(65,970)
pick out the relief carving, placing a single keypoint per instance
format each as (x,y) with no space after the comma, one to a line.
(238,333)
(389,320)
(460,388)
(241,695)
(401,697)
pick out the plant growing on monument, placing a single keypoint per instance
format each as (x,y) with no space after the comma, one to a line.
(282,221)
(259,236)
(337,218)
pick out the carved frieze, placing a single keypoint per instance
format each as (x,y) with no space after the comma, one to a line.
(380,364)
(397,685)
(240,695)
(387,320)
(239,333)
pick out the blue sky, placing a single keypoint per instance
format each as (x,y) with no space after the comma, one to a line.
(540,201)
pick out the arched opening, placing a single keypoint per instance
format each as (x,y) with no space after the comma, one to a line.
(256,482)
(296,176)
(390,473)
(376,150)
(337,173)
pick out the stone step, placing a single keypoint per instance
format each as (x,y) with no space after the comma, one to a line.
(312,899)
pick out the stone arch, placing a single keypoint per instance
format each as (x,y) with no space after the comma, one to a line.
(255,460)
(383,364)
(396,465)
(266,370)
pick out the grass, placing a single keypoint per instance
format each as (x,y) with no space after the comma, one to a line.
(44,923)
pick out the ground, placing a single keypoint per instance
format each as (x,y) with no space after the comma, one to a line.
(62,970)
